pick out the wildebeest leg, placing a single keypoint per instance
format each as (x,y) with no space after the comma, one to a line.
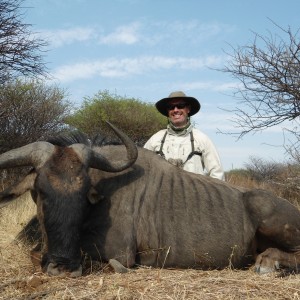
(278,221)
(117,266)
(271,259)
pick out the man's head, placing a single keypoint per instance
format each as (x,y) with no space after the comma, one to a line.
(178,112)
(178,108)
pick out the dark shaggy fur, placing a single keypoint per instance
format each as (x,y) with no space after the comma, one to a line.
(76,137)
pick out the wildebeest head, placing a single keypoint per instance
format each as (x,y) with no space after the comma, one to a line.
(59,183)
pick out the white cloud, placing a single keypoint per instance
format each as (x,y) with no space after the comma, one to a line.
(189,32)
(138,32)
(209,85)
(127,34)
(58,38)
(128,66)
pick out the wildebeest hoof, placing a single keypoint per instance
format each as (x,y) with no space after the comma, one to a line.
(54,270)
(267,262)
(264,270)
(117,266)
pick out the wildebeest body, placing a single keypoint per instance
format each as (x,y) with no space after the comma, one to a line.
(156,214)
(148,212)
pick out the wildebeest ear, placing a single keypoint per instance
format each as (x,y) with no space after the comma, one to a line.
(18,189)
(93,196)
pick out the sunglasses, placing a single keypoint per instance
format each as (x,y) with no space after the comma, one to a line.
(178,105)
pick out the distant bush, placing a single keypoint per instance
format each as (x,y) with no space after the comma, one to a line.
(283,179)
(139,120)
(31,110)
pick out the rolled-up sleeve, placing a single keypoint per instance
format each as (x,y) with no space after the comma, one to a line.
(211,161)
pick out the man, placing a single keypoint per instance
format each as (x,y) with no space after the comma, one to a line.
(181,144)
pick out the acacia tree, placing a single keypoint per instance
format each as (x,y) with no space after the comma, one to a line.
(137,119)
(20,50)
(269,92)
(31,111)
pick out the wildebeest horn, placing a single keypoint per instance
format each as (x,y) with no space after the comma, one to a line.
(97,161)
(34,154)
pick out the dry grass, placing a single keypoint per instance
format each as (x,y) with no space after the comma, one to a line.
(285,185)
(19,279)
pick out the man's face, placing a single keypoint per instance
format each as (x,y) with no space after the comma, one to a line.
(178,112)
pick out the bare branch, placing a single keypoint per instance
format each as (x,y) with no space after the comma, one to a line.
(19,48)
(269,74)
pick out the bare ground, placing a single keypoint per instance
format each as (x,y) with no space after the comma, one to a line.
(20,280)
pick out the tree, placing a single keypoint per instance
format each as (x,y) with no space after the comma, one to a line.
(262,170)
(137,119)
(30,111)
(269,92)
(19,49)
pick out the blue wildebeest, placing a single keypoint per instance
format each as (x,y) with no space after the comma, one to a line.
(137,208)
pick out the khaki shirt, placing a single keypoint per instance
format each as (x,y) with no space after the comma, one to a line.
(178,146)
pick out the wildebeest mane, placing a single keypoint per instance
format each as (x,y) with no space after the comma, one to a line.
(100,140)
(75,137)
(70,138)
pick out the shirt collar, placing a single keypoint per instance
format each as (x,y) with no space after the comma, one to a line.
(183,132)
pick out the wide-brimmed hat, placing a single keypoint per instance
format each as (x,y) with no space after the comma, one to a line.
(162,104)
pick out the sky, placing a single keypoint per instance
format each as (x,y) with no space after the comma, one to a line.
(147,49)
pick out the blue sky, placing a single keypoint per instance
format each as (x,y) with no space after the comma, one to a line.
(148,48)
